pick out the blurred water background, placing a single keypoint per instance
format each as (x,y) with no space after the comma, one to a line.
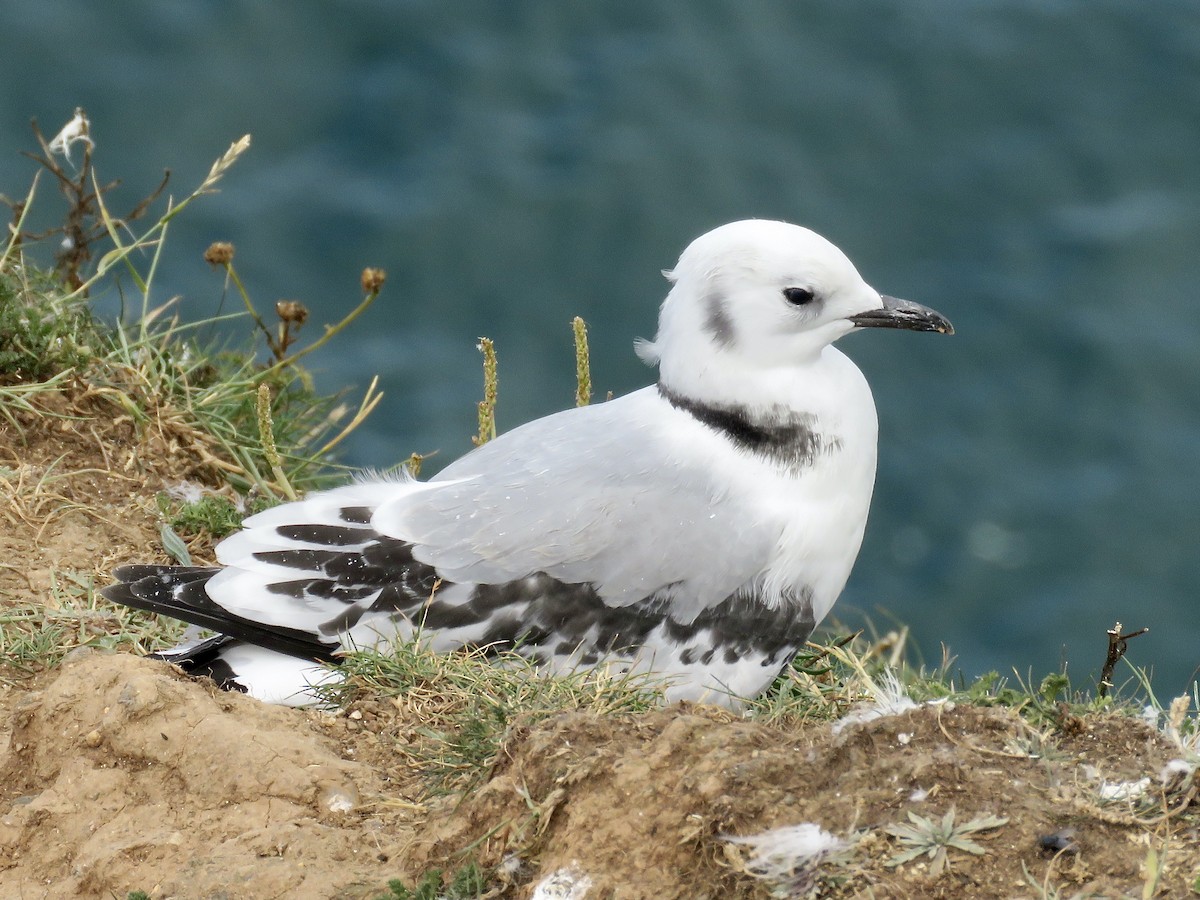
(1031,168)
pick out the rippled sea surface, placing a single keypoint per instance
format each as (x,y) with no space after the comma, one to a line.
(1031,169)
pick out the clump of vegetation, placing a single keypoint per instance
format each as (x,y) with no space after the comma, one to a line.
(239,432)
(37,341)
(216,515)
(825,680)
(153,369)
(467,883)
(468,700)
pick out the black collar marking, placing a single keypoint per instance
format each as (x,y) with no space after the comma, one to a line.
(785,438)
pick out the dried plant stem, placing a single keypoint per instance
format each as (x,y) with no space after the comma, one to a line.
(369,401)
(232,274)
(1117,645)
(20,211)
(330,331)
(113,226)
(215,174)
(413,464)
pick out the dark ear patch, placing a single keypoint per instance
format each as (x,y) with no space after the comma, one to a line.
(717,321)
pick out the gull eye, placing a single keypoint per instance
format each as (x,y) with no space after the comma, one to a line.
(798,296)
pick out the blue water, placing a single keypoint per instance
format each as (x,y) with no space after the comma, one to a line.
(1031,169)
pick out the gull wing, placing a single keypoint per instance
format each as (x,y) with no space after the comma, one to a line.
(627,496)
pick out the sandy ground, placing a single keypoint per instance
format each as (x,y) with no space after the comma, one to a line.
(119,774)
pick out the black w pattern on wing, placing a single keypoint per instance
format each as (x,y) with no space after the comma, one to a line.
(539,615)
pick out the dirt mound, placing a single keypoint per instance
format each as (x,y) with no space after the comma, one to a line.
(122,775)
(638,808)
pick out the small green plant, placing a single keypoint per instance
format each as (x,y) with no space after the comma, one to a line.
(935,838)
(217,515)
(1034,743)
(1154,866)
(37,341)
(468,883)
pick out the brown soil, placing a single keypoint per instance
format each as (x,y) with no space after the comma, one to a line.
(119,774)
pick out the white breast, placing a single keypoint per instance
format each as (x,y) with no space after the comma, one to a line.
(822,509)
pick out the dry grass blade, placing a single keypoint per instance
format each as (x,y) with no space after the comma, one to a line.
(15,230)
(223,165)
(366,406)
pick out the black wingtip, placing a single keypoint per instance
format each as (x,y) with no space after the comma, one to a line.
(179,592)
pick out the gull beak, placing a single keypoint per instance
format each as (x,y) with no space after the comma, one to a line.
(897,313)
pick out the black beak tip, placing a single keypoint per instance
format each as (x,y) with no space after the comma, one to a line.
(897,313)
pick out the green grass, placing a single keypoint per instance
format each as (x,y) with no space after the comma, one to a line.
(467,883)
(37,635)
(468,700)
(216,515)
(154,368)
(828,681)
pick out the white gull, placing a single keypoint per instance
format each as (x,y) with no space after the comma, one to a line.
(697,529)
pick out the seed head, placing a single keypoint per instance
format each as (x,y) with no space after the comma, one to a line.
(292,311)
(372,280)
(219,253)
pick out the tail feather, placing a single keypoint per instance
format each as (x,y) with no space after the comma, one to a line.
(298,584)
(203,657)
(238,666)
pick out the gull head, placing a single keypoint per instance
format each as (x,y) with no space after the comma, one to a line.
(764,294)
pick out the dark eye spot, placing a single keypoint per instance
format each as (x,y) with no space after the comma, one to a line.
(798,296)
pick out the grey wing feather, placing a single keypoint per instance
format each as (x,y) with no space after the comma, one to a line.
(584,497)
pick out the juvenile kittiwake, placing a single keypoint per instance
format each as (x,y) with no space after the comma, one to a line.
(697,529)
